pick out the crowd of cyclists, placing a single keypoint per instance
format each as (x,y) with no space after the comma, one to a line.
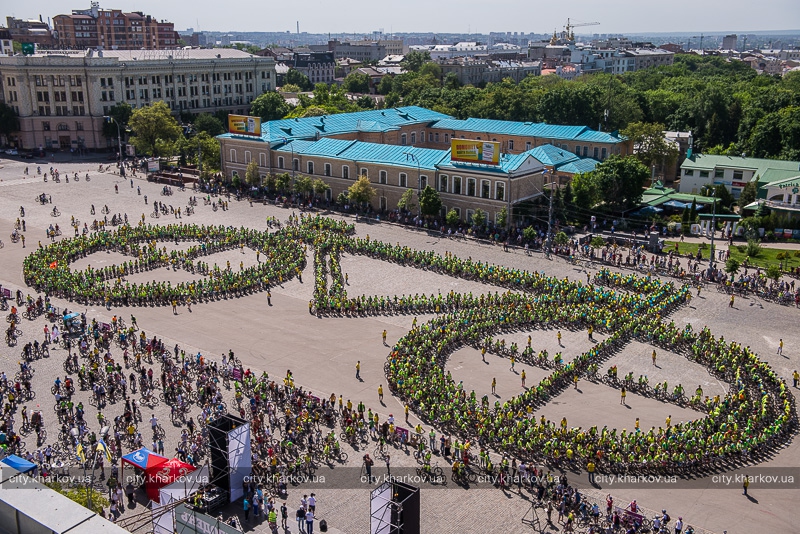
(124,373)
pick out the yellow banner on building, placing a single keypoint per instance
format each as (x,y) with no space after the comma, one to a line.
(244,125)
(469,151)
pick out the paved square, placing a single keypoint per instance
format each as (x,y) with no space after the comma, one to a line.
(322,353)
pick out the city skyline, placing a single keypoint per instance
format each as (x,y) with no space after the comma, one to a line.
(466,16)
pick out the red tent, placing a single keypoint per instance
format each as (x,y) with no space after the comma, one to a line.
(163,474)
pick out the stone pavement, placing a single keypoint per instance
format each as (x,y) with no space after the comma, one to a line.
(321,352)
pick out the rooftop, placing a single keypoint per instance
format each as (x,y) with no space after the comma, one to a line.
(767,170)
(326,125)
(528,129)
(428,159)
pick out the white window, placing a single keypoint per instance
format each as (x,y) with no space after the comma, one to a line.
(486,187)
(527,145)
(345,172)
(403,180)
(470,187)
(295,164)
(403,139)
(280,162)
(310,166)
(327,169)
(262,159)
(499,191)
(247,156)
(443,183)
(413,138)
(233,155)
(382,177)
(511,144)
(423,182)
(456,185)
(364,172)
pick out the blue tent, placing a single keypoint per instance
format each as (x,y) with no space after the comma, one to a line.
(675,204)
(20,464)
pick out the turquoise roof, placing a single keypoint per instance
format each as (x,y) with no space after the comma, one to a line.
(428,159)
(375,120)
(527,129)
(579,166)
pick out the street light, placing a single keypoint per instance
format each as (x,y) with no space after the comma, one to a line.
(412,157)
(119,138)
(713,231)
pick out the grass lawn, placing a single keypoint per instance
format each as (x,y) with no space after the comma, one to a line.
(767,257)
(687,248)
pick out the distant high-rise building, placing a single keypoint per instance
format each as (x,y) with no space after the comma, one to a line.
(729,42)
(111,29)
(30,31)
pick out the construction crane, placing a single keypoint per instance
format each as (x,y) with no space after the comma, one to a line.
(568,34)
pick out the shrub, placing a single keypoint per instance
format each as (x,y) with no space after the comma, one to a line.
(753,248)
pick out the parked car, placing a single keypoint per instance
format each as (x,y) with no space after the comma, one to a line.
(12,152)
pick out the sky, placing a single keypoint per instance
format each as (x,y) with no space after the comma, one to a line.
(460,16)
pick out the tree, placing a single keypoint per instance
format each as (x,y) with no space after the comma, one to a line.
(749,193)
(693,211)
(773,272)
(724,196)
(270,106)
(732,266)
(121,113)
(561,239)
(282,181)
(597,242)
(620,181)
(153,127)
(414,60)
(502,217)
(406,201)
(585,190)
(479,218)
(208,123)
(356,82)
(251,174)
(319,186)
(430,204)
(365,102)
(686,221)
(207,146)
(9,122)
(452,218)
(649,144)
(295,77)
(361,192)
(303,185)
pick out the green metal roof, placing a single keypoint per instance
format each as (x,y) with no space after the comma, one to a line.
(766,169)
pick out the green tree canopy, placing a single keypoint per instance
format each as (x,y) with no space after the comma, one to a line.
(208,148)
(9,122)
(208,123)
(649,144)
(356,82)
(414,60)
(452,218)
(406,201)
(620,180)
(270,106)
(121,113)
(153,127)
(295,77)
(361,191)
(479,218)
(251,174)
(430,203)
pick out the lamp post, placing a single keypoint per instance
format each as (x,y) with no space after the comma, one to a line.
(549,240)
(119,138)
(713,231)
(412,157)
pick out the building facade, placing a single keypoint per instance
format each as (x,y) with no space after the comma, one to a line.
(734,172)
(392,148)
(61,97)
(319,67)
(367,50)
(112,29)
(30,31)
